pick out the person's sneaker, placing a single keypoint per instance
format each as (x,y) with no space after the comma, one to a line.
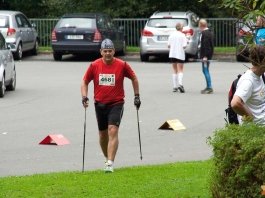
(108,168)
(207,91)
(181,89)
(175,89)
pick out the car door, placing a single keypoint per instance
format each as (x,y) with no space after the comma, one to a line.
(25,32)
(5,57)
(31,32)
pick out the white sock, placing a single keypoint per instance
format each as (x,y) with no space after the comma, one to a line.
(110,162)
(180,78)
(175,80)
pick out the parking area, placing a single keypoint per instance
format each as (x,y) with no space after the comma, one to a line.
(47,101)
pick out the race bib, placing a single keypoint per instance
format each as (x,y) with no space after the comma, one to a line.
(107,79)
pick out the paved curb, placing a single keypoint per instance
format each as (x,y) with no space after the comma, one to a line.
(216,56)
(225,57)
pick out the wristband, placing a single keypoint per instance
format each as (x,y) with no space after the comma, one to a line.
(85,99)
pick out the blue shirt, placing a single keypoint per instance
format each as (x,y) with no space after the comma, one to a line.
(260,36)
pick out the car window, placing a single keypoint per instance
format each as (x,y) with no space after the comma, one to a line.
(2,42)
(101,22)
(76,22)
(109,23)
(166,22)
(22,22)
(4,22)
(194,20)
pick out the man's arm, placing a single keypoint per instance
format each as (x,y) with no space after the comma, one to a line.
(240,108)
(135,85)
(84,92)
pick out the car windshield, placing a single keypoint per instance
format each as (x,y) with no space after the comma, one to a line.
(76,23)
(4,22)
(166,22)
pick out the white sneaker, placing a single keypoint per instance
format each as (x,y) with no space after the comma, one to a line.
(175,89)
(108,168)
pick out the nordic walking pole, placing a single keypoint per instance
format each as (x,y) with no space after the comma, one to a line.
(141,157)
(84,142)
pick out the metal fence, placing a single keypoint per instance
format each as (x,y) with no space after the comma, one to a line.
(224,30)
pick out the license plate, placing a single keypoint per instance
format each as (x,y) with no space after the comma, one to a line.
(75,37)
(162,38)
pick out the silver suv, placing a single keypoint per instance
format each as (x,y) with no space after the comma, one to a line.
(18,32)
(160,25)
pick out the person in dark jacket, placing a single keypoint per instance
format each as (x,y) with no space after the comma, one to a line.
(205,53)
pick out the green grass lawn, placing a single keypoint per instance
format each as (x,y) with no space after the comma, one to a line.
(216,49)
(176,180)
(137,49)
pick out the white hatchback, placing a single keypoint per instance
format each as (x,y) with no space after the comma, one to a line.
(160,25)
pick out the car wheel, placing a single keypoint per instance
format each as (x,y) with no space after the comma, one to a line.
(12,85)
(35,49)
(2,87)
(144,57)
(18,53)
(57,56)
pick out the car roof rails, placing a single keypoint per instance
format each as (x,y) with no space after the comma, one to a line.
(156,12)
(188,12)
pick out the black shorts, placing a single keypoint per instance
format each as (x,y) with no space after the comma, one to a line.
(108,115)
(175,60)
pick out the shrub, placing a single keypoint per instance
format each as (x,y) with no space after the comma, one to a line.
(239,161)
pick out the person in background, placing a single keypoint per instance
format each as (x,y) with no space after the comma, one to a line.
(249,99)
(260,31)
(176,44)
(108,74)
(206,48)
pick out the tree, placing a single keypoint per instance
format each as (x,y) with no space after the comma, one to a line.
(117,9)
(246,11)
(31,8)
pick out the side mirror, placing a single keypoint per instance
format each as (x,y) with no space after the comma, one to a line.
(33,25)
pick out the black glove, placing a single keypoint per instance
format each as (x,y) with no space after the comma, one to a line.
(137,101)
(84,100)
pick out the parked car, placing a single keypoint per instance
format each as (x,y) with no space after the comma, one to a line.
(160,25)
(82,33)
(18,31)
(7,68)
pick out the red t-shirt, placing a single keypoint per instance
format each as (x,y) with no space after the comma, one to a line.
(108,80)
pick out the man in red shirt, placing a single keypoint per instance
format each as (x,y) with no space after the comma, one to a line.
(108,75)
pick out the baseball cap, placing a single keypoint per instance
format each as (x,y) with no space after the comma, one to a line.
(107,44)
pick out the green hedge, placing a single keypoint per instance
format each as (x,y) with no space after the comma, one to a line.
(239,161)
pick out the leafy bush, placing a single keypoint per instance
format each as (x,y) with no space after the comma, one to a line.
(239,161)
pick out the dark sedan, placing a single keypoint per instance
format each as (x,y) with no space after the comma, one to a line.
(82,34)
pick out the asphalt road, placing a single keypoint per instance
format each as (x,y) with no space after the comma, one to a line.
(47,101)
